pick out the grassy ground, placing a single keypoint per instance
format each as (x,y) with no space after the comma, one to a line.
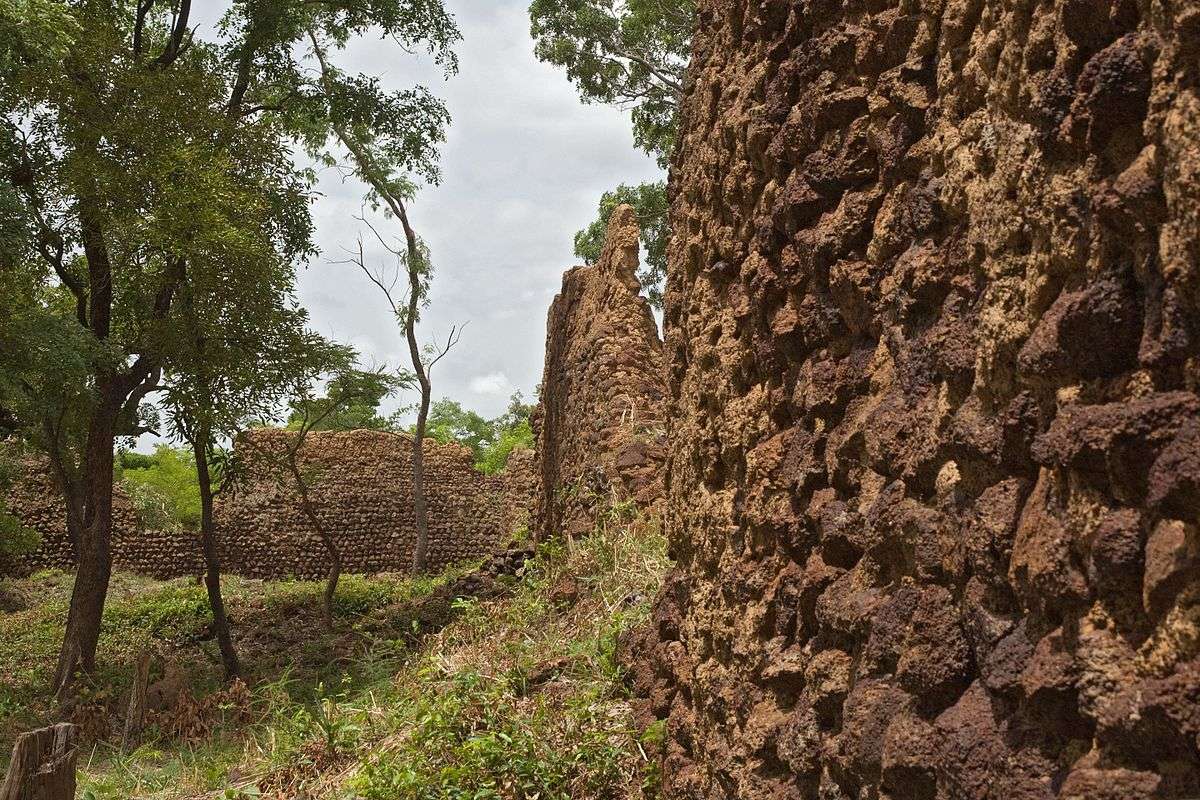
(519,697)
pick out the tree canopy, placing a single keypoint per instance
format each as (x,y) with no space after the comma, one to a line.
(632,54)
(152,216)
(491,440)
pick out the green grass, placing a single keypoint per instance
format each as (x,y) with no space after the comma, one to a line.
(173,619)
(469,722)
(516,698)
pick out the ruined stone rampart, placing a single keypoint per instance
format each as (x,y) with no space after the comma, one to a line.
(361,486)
(36,501)
(599,426)
(932,326)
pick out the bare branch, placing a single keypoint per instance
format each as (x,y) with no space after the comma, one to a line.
(452,339)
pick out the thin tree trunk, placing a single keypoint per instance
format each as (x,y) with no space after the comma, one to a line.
(335,557)
(415,261)
(420,510)
(212,564)
(331,583)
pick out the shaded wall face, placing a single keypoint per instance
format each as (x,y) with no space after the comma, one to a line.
(934,474)
(362,490)
(36,501)
(600,423)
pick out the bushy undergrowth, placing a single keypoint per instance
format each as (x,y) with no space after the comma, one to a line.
(163,487)
(522,698)
(519,697)
(278,620)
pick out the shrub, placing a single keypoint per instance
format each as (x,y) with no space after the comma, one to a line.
(163,488)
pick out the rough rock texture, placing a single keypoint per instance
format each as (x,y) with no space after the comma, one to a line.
(934,473)
(361,486)
(35,500)
(599,424)
(518,484)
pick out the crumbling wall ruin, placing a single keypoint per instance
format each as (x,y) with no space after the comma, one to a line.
(599,425)
(361,485)
(36,501)
(934,477)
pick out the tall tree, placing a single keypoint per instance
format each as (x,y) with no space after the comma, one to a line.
(130,143)
(632,54)
(411,263)
(450,422)
(241,350)
(391,139)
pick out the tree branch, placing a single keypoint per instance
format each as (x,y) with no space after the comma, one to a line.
(176,46)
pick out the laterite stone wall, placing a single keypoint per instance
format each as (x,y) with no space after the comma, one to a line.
(599,425)
(361,485)
(933,336)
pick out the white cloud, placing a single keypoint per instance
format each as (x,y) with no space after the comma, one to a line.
(494,384)
(523,168)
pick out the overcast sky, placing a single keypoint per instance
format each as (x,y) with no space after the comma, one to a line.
(524,165)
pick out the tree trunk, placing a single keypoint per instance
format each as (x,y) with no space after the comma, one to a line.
(335,574)
(416,295)
(94,556)
(335,557)
(43,765)
(212,563)
(420,510)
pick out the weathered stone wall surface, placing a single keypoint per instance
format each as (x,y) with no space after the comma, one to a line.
(932,326)
(599,424)
(517,485)
(35,500)
(361,487)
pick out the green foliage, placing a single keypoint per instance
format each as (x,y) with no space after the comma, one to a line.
(495,458)
(163,487)
(15,538)
(491,441)
(351,402)
(156,162)
(649,200)
(450,422)
(469,715)
(632,54)
(476,727)
(469,743)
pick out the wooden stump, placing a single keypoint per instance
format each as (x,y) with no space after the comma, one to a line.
(135,719)
(43,765)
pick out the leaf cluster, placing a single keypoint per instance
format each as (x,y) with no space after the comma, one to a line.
(156,165)
(491,441)
(350,401)
(631,53)
(163,487)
